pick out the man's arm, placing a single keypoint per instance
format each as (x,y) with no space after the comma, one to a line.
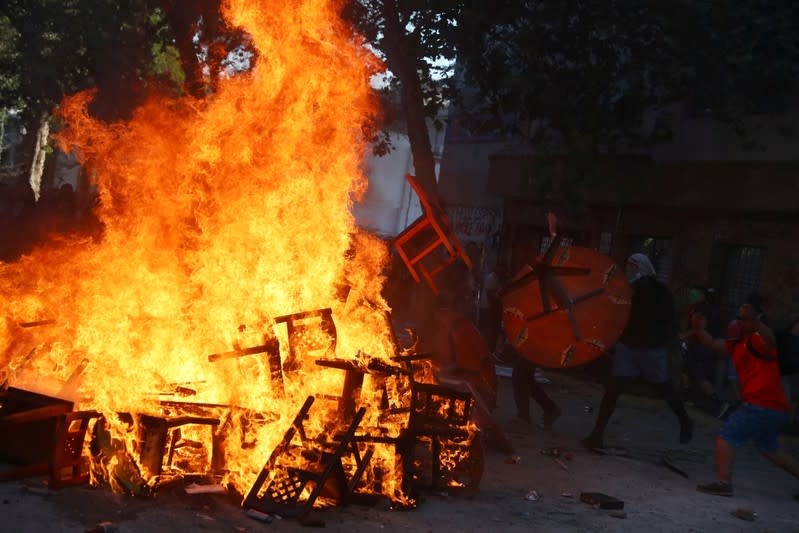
(704,338)
(707,340)
(766,333)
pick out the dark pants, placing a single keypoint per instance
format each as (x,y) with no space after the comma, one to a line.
(525,387)
(613,389)
(491,324)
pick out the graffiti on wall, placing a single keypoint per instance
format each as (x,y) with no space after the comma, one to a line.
(474,224)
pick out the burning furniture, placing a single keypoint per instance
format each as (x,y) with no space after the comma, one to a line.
(435,446)
(43,436)
(297,473)
(428,246)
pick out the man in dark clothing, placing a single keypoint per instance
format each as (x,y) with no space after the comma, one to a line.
(525,387)
(641,352)
(701,362)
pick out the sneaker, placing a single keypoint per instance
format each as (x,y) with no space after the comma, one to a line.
(549,418)
(718,488)
(686,431)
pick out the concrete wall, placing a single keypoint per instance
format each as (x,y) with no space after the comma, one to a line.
(764,138)
(389,203)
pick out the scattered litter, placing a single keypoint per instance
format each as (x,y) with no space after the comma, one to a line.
(550,452)
(102,527)
(588,409)
(618,514)
(667,461)
(36,490)
(601,501)
(566,494)
(532,496)
(194,488)
(562,464)
(258,515)
(513,460)
(745,514)
(206,517)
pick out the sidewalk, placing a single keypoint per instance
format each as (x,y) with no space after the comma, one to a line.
(656,498)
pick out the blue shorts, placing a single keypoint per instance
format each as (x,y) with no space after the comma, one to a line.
(760,425)
(650,364)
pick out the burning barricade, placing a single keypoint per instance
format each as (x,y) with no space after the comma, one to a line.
(162,351)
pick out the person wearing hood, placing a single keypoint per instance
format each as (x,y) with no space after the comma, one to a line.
(641,352)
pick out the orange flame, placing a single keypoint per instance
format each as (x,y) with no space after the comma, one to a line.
(219,215)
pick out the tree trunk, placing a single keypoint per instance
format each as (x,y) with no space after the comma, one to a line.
(39,156)
(401,58)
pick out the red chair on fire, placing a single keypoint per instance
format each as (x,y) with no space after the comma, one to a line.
(429,245)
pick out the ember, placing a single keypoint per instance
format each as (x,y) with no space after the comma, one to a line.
(225,220)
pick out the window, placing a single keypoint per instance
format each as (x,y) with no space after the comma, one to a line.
(546,240)
(743,271)
(659,252)
(605,242)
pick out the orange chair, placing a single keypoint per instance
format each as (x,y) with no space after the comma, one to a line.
(429,245)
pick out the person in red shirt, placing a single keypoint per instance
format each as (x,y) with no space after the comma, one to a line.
(765,407)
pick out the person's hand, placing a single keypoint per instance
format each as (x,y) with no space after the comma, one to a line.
(552,223)
(698,321)
(686,335)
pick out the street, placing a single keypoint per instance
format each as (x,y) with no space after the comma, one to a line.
(655,497)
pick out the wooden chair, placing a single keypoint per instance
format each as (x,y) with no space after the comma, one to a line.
(428,246)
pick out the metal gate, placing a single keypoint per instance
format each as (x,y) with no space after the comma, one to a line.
(743,271)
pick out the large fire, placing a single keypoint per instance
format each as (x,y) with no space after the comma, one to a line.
(219,215)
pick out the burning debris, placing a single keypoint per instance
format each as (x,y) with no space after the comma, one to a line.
(220,216)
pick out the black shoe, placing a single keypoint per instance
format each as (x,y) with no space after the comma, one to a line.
(592,442)
(686,431)
(719,488)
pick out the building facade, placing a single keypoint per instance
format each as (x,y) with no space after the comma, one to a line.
(709,207)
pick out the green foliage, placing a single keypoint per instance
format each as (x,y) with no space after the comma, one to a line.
(166,63)
(575,78)
(50,48)
(427,42)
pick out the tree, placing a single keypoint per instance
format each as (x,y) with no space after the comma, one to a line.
(51,48)
(411,36)
(575,78)
(204,41)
